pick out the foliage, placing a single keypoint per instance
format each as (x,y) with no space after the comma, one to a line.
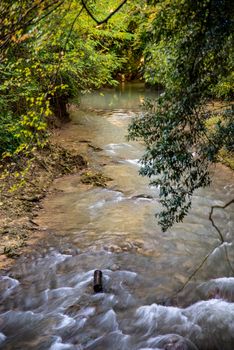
(48,55)
(189,50)
(118,35)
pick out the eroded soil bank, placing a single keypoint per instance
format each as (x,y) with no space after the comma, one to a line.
(18,231)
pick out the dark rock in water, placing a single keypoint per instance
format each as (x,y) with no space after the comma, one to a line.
(173,342)
(97,281)
(95,148)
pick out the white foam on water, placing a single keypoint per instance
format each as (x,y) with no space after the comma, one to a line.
(113,147)
(98,205)
(65,321)
(115,340)
(84,279)
(110,151)
(87,312)
(58,345)
(156,319)
(2,338)
(135,162)
(215,319)
(9,285)
(81,322)
(206,322)
(150,349)
(120,114)
(109,321)
(94,342)
(171,341)
(129,276)
(58,257)
(225,280)
(51,260)
(218,288)
(61,292)
(116,198)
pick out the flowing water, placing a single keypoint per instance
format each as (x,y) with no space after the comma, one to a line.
(171,290)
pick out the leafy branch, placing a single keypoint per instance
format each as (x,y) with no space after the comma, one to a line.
(28,19)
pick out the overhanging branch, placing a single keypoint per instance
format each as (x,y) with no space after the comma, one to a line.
(107,18)
(51,7)
(212,221)
(211,252)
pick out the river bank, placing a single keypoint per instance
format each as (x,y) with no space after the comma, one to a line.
(18,209)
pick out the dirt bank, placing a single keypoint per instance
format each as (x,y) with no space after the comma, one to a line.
(18,230)
(67,153)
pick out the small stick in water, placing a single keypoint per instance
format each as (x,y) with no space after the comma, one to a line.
(97,281)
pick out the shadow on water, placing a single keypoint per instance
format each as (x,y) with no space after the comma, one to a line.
(149,300)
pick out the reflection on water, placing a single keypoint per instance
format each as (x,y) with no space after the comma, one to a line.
(124,96)
(48,301)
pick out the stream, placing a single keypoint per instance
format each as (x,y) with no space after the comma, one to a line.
(172,290)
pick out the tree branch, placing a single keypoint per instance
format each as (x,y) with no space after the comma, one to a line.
(107,18)
(31,21)
(218,230)
(65,45)
(209,254)
(194,272)
(212,221)
(72,26)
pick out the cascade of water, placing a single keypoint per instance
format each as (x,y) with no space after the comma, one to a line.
(149,299)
